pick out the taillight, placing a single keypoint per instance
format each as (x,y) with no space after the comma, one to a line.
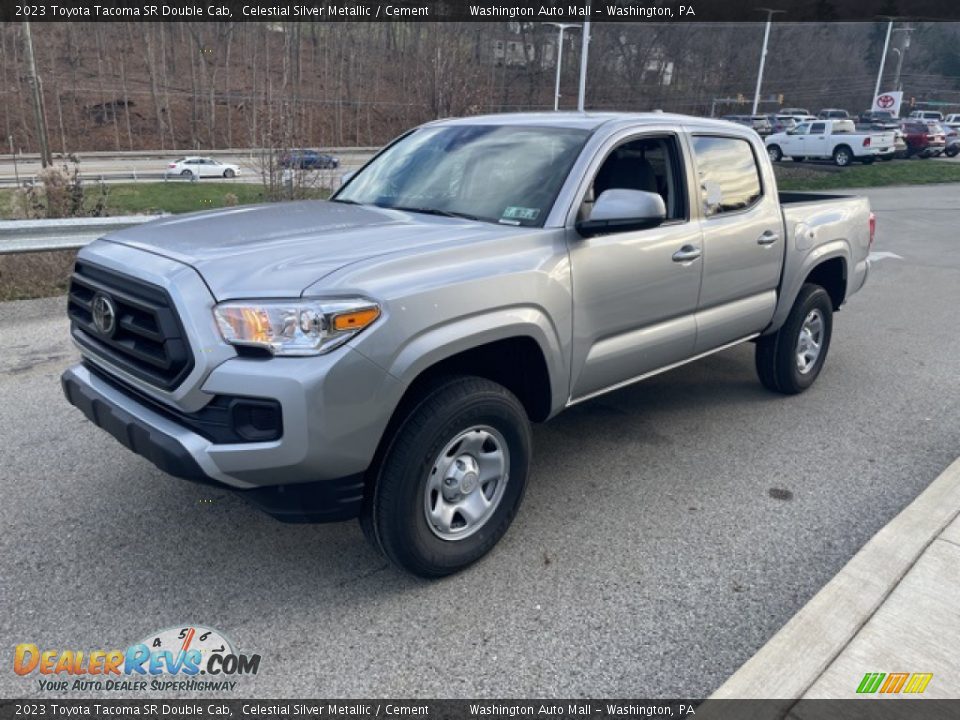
(873,227)
(173,165)
(866,142)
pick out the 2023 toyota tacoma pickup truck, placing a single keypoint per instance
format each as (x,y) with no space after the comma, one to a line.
(382,355)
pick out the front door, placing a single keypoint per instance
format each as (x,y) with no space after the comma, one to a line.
(635,292)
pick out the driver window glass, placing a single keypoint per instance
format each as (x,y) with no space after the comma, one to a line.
(817,128)
(651,164)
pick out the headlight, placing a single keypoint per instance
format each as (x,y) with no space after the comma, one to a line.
(294,327)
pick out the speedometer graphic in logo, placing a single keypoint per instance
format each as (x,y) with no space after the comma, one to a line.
(193,637)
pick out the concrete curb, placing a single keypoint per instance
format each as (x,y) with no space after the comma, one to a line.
(792,660)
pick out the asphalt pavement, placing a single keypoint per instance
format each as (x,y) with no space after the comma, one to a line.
(669,529)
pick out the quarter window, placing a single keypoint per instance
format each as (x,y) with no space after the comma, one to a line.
(729,178)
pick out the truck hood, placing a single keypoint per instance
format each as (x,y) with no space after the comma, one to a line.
(278,250)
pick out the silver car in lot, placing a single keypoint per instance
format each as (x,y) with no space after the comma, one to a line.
(382,355)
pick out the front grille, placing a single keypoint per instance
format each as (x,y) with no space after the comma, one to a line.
(147,339)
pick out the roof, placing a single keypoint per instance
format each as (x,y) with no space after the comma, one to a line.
(583,120)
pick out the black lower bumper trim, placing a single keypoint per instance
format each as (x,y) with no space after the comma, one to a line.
(321,501)
(157,447)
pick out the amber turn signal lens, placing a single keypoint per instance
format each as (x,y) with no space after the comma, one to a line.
(356,320)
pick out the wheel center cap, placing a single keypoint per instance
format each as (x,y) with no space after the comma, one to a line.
(468,483)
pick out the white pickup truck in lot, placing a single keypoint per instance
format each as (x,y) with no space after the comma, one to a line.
(383,355)
(837,140)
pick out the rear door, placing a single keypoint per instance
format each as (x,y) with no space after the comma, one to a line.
(742,244)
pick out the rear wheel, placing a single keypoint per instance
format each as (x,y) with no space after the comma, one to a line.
(775,153)
(842,156)
(452,479)
(186,173)
(798,158)
(789,360)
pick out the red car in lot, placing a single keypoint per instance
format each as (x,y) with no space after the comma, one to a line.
(923,140)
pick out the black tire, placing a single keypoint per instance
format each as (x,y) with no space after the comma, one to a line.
(775,153)
(888,157)
(229,173)
(842,156)
(776,354)
(394,516)
(798,158)
(186,173)
(952,151)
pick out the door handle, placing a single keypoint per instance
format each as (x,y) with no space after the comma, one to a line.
(687,253)
(768,238)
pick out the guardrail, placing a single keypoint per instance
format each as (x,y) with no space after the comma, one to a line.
(19,236)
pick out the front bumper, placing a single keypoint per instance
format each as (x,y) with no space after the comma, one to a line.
(334,413)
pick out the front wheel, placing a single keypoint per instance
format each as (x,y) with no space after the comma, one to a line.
(952,151)
(775,153)
(229,173)
(789,360)
(452,479)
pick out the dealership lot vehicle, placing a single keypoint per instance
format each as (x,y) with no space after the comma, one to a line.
(357,366)
(931,117)
(794,111)
(201,167)
(760,123)
(833,114)
(835,139)
(923,140)
(952,120)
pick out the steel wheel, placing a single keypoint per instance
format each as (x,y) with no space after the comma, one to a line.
(466,483)
(809,341)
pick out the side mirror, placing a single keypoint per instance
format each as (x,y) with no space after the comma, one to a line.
(620,210)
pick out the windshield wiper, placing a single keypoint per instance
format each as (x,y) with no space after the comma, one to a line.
(346,202)
(433,211)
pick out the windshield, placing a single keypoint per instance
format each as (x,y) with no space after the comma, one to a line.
(507,174)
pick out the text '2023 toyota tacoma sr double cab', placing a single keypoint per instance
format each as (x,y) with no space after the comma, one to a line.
(381,355)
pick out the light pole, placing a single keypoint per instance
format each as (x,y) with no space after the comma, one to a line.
(883,60)
(763,55)
(584,45)
(556,91)
(902,52)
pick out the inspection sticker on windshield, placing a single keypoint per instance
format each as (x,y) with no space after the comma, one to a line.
(520,213)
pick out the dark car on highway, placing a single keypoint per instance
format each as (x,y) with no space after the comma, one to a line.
(308,160)
(923,140)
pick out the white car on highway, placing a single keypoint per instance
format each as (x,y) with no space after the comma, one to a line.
(201,167)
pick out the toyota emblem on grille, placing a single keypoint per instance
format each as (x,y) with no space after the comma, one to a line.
(104,314)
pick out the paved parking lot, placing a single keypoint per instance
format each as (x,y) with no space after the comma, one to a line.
(669,529)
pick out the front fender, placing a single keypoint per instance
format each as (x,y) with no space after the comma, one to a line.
(465,333)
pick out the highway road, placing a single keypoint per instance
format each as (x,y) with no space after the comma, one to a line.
(668,531)
(147,166)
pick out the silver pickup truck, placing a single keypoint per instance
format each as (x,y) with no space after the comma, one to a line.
(382,355)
